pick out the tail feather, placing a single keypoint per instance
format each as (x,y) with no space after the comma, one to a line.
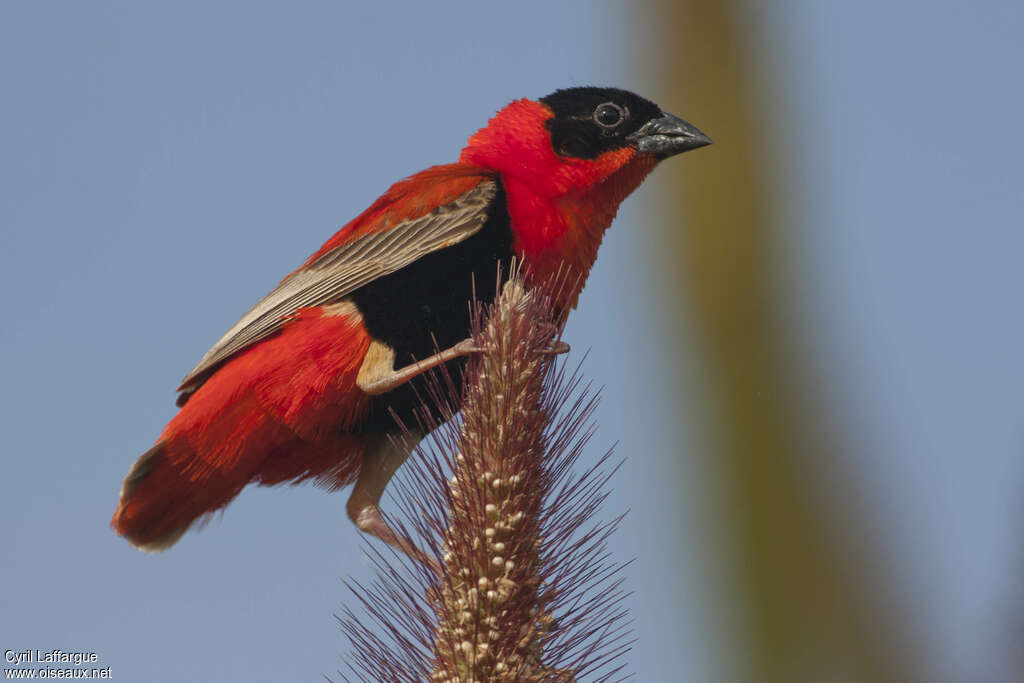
(159,502)
(162,497)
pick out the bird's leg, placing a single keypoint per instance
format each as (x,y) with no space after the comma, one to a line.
(377,377)
(379,464)
(381,380)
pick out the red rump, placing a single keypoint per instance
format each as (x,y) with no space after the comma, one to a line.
(272,414)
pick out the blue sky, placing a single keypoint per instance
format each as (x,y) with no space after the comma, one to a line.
(909,238)
(163,167)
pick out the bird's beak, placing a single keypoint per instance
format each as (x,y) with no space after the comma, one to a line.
(667,136)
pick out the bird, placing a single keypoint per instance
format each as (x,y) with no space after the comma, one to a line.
(313,381)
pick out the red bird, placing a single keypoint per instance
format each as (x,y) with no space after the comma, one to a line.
(300,388)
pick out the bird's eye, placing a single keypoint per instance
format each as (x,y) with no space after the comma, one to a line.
(609,115)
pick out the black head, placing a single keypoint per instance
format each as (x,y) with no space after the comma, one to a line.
(588,122)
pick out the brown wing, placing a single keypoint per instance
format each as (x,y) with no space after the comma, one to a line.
(340,271)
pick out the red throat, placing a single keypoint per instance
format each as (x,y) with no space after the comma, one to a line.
(559,207)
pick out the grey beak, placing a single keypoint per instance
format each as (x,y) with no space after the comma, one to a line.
(667,136)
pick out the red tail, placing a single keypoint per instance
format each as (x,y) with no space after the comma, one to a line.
(160,499)
(159,503)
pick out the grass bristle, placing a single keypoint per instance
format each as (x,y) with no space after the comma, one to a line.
(528,591)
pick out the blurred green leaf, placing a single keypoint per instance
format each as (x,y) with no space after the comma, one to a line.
(801,574)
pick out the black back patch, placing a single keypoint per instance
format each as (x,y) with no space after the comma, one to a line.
(425,306)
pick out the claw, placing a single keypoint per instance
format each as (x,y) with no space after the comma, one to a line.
(467,346)
(557,348)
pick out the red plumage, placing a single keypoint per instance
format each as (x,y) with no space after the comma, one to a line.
(407,199)
(286,394)
(270,415)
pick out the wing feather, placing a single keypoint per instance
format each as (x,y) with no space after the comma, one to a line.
(345,268)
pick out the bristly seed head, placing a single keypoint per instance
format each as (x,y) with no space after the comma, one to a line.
(526,593)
